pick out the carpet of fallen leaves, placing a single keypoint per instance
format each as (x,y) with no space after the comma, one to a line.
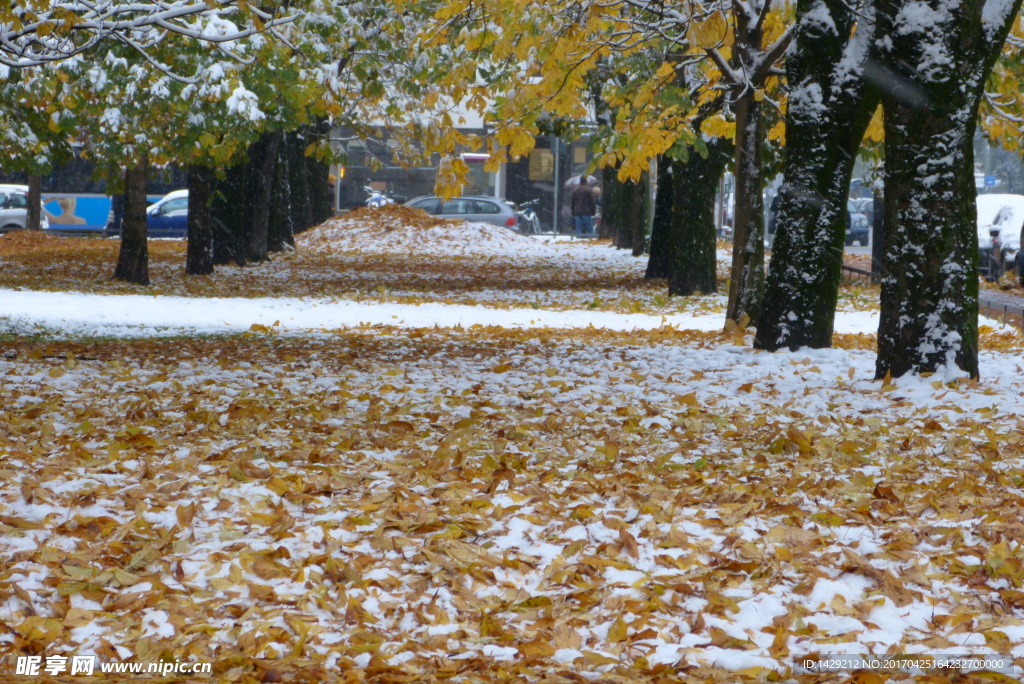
(389,505)
(494,505)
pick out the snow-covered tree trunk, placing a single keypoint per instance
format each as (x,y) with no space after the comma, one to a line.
(747,80)
(301,196)
(934,63)
(930,284)
(199,257)
(830,106)
(133,258)
(746,280)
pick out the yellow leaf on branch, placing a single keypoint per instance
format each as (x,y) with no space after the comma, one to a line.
(716,126)
(709,32)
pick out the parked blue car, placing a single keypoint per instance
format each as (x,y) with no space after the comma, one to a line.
(168,217)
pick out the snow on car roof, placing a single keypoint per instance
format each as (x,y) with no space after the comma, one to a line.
(990,207)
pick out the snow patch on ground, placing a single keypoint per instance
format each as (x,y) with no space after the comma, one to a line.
(78,314)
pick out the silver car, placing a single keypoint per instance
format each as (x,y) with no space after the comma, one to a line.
(477,209)
(14,209)
(1000,220)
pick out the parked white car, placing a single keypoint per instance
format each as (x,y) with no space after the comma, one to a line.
(14,209)
(1000,219)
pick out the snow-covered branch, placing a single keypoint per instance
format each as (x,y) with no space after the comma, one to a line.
(36,33)
(996,16)
(733,76)
(772,55)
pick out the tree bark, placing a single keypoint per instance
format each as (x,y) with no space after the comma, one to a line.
(746,281)
(610,203)
(830,107)
(199,256)
(878,241)
(258,187)
(641,214)
(929,303)
(934,78)
(133,258)
(321,201)
(34,219)
(301,195)
(661,227)
(694,264)
(230,234)
(623,212)
(288,194)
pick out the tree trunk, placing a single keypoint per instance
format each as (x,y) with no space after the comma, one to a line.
(623,214)
(934,78)
(289,190)
(318,184)
(830,107)
(878,241)
(624,209)
(301,196)
(33,221)
(615,210)
(661,226)
(230,234)
(133,259)
(258,187)
(694,264)
(641,214)
(746,282)
(929,306)
(199,257)
(610,203)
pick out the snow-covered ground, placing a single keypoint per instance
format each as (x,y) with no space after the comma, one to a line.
(630,503)
(383,490)
(80,314)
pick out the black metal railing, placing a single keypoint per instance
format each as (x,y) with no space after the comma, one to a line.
(858,273)
(1009,314)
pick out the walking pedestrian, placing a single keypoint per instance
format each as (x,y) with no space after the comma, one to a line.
(584,205)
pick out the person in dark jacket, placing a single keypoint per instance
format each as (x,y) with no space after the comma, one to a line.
(583,205)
